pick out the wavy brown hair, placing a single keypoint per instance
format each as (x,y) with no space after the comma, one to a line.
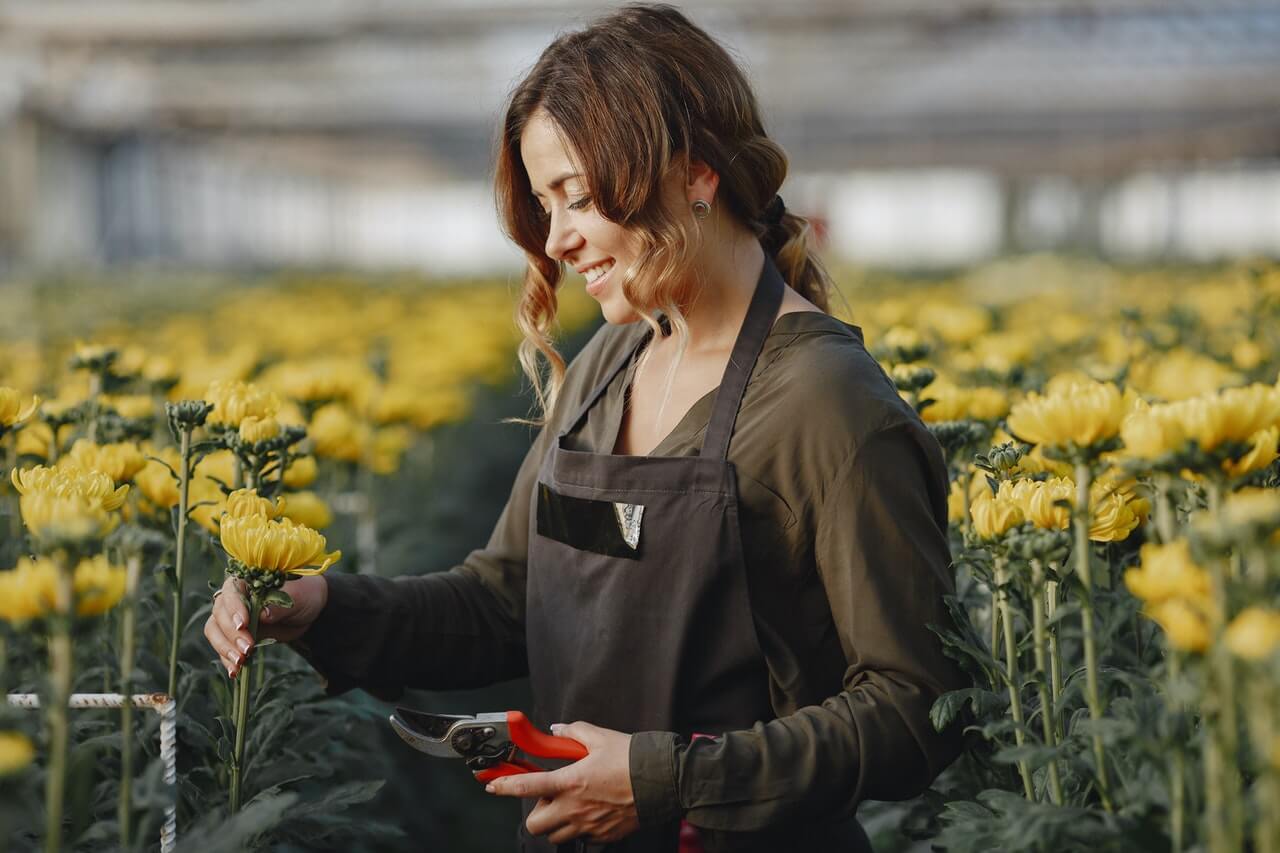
(636,95)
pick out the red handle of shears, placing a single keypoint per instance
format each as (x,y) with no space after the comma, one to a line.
(531,741)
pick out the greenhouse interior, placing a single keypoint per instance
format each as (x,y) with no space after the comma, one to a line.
(261,289)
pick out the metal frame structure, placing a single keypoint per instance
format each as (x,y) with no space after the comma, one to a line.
(163,705)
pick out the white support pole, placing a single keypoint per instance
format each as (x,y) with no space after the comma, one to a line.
(163,705)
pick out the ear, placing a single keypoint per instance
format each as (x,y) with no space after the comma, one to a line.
(702,184)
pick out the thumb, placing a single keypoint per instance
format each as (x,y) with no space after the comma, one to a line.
(584,733)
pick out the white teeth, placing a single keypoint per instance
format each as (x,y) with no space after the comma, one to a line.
(595,272)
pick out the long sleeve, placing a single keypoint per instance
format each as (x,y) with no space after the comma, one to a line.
(453,629)
(882,553)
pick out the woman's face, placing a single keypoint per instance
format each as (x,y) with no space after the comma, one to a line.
(595,248)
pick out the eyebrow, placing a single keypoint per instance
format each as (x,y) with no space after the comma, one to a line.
(558,181)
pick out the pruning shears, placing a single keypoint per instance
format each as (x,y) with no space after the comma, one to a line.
(490,744)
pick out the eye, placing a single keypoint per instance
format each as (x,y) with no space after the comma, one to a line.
(581,204)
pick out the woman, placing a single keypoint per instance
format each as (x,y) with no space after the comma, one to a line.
(730,524)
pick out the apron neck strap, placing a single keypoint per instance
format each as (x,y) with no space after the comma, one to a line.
(765,303)
(746,349)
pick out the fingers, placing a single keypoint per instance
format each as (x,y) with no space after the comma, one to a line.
(227,629)
(584,733)
(547,818)
(228,656)
(543,785)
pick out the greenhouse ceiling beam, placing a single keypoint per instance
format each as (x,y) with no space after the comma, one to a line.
(160,22)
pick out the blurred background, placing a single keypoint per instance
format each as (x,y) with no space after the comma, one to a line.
(922,133)
(191,143)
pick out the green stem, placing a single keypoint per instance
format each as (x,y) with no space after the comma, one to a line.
(95,389)
(966,524)
(184,484)
(60,663)
(242,708)
(1165,523)
(1048,716)
(1092,694)
(127,630)
(1226,817)
(1266,790)
(1011,671)
(1055,655)
(1177,761)
(995,628)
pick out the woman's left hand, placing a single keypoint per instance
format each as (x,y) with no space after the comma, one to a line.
(590,799)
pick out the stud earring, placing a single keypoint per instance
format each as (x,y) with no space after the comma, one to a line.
(701,209)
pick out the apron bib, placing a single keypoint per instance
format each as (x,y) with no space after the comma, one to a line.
(638,615)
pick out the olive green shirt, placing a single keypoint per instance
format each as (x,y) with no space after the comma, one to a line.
(843,512)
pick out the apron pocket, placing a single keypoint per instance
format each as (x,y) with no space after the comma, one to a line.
(602,527)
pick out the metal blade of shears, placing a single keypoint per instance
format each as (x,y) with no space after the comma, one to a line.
(427,733)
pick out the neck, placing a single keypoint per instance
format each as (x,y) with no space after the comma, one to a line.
(731,270)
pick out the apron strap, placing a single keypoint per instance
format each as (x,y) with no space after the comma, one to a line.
(765,303)
(608,378)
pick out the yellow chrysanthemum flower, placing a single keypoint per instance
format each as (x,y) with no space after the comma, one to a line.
(35,439)
(1265,450)
(30,591)
(207,503)
(1254,634)
(131,405)
(66,517)
(1184,625)
(99,585)
(255,429)
(1150,432)
(70,481)
(953,403)
(993,516)
(13,411)
(219,465)
(1083,415)
(155,481)
(276,546)
(1167,572)
(1180,374)
(301,472)
(336,433)
(387,447)
(233,401)
(118,461)
(244,503)
(309,509)
(322,380)
(1042,510)
(68,503)
(16,752)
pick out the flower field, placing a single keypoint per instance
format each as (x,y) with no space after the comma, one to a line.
(1115,505)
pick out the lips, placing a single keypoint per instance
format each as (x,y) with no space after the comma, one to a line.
(595,287)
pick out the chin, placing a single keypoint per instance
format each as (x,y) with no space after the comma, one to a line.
(617,311)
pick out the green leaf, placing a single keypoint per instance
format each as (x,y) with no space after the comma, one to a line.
(279,598)
(949,705)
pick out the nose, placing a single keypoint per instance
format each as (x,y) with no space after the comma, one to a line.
(561,238)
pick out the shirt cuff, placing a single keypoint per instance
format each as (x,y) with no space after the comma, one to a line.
(653,777)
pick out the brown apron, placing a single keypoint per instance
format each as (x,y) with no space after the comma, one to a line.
(638,615)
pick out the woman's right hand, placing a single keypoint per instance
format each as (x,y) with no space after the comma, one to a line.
(227,629)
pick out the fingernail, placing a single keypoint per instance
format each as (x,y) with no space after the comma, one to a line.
(239,621)
(489,789)
(243,645)
(266,613)
(556,728)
